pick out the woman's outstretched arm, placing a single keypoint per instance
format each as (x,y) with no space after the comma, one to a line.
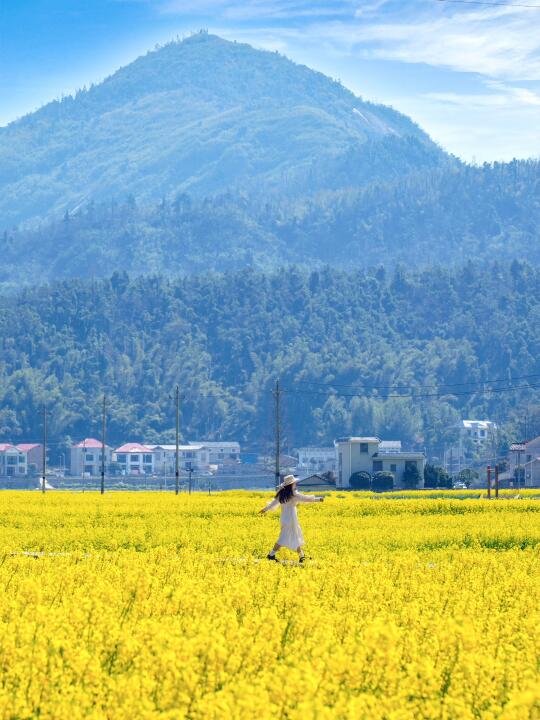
(308,498)
(271,506)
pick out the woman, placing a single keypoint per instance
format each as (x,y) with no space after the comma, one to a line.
(291,534)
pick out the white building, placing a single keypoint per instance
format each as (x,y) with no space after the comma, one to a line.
(525,455)
(13,462)
(195,456)
(476,438)
(85,458)
(316,459)
(220,453)
(34,457)
(357,454)
(135,459)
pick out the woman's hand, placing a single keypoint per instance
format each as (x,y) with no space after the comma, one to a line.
(321,499)
(262,512)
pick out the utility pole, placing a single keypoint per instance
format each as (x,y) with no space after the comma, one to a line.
(177,453)
(190,470)
(103,426)
(44,463)
(277,398)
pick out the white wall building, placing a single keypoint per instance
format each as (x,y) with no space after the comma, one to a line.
(525,455)
(316,459)
(220,453)
(85,458)
(13,462)
(356,454)
(196,456)
(34,457)
(135,459)
(477,438)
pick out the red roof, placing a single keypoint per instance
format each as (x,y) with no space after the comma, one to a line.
(6,446)
(26,447)
(89,443)
(133,447)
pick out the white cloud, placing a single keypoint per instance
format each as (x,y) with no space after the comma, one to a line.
(496,42)
(507,97)
(478,92)
(246,10)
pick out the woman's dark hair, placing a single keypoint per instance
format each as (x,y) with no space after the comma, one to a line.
(285,494)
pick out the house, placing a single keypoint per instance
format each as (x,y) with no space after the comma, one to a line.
(196,457)
(525,455)
(476,438)
(34,457)
(13,462)
(287,463)
(220,453)
(85,458)
(316,459)
(316,483)
(365,454)
(135,459)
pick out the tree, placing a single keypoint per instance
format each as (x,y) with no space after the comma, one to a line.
(467,476)
(411,475)
(436,477)
(360,480)
(382,481)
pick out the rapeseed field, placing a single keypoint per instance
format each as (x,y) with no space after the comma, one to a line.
(147,605)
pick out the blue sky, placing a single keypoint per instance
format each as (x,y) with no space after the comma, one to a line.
(469,74)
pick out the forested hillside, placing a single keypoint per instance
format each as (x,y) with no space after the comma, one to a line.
(202,116)
(206,155)
(442,217)
(346,346)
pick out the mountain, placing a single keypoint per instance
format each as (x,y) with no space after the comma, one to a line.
(464,342)
(202,116)
(431,217)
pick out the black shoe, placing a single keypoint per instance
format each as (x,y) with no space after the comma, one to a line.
(302,559)
(271,557)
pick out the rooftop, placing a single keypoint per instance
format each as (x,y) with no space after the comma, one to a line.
(483,424)
(311,448)
(390,443)
(397,455)
(523,444)
(89,443)
(358,440)
(187,448)
(26,447)
(134,447)
(215,443)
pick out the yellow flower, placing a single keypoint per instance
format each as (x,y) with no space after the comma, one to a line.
(147,605)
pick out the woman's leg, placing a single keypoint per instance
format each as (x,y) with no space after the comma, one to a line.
(300,551)
(273,551)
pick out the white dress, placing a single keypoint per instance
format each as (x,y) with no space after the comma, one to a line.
(291,533)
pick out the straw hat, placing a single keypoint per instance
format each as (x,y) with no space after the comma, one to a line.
(287,480)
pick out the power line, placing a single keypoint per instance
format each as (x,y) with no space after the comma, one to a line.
(408,385)
(412,395)
(492,4)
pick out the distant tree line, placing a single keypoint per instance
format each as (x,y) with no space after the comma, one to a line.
(400,354)
(434,216)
